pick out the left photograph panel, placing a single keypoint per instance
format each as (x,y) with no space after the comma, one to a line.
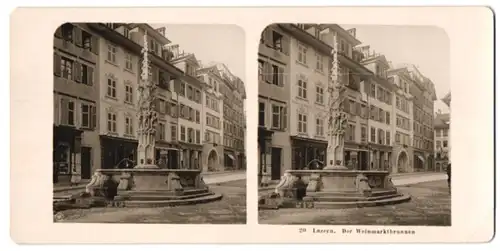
(149,123)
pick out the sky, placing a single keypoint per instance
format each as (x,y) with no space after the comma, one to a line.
(427,47)
(211,42)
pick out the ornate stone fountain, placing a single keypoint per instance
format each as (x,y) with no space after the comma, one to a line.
(148,185)
(334,186)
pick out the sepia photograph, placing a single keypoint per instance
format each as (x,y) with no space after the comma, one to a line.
(149,124)
(354,125)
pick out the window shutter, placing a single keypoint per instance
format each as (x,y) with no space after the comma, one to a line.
(268,71)
(94,117)
(280,76)
(285,45)
(77,72)
(94,45)
(346,106)
(64,111)
(77,33)
(268,40)
(58,32)
(57,65)
(90,75)
(283,118)
(367,87)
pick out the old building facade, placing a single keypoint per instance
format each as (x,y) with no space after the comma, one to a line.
(120,69)
(403,110)
(76,94)
(212,119)
(356,77)
(233,92)
(442,147)
(189,99)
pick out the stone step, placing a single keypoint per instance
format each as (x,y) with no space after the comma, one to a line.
(353,198)
(353,204)
(158,197)
(374,193)
(189,191)
(169,203)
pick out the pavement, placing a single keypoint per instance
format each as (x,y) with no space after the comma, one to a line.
(430,205)
(230,210)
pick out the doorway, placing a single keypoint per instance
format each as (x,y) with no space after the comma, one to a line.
(86,162)
(275,163)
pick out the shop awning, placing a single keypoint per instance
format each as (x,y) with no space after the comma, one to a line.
(230,156)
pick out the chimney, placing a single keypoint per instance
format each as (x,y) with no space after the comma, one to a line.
(352,32)
(161,30)
(175,50)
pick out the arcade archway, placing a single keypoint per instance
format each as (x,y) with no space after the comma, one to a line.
(402,162)
(213,160)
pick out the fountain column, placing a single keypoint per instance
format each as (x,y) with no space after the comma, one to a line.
(337,118)
(146,113)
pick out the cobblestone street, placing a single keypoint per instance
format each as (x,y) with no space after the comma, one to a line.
(230,210)
(430,206)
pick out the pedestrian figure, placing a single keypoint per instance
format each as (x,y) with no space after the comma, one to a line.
(448,172)
(75,177)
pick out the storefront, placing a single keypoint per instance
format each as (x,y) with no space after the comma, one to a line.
(167,155)
(419,162)
(356,156)
(304,151)
(264,139)
(66,153)
(118,152)
(190,156)
(380,156)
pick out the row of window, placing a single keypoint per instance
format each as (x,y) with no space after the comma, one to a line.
(402,122)
(275,40)
(212,121)
(111,89)
(69,112)
(232,114)
(438,144)
(402,138)
(73,70)
(192,93)
(278,119)
(422,143)
(212,137)
(380,93)
(442,132)
(233,129)
(233,142)
(271,73)
(212,103)
(73,34)
(424,130)
(422,117)
(402,104)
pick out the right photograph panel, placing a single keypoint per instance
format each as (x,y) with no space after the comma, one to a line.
(354,125)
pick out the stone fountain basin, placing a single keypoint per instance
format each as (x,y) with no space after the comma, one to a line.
(335,188)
